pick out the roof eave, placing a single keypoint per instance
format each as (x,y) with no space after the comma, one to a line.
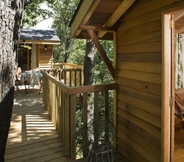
(39,42)
(83,14)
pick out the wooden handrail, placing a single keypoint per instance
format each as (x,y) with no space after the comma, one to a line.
(72,76)
(61,102)
(91,88)
(55,81)
(81,89)
(66,65)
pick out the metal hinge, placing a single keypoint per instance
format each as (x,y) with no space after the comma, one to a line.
(171,23)
(170,101)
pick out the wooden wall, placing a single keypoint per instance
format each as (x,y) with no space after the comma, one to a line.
(139,78)
(45,56)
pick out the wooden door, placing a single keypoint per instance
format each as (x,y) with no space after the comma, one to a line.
(176,134)
(167,90)
(169,44)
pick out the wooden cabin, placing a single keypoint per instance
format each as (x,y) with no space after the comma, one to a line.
(143,33)
(35,49)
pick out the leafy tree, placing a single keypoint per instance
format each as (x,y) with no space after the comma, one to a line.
(34,13)
(10,21)
(101,73)
(77,52)
(89,63)
(63,15)
(95,70)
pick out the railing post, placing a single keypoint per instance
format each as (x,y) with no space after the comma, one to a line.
(80,78)
(106,114)
(64,71)
(96,111)
(54,104)
(46,85)
(62,115)
(50,101)
(84,128)
(75,76)
(49,97)
(70,78)
(96,108)
(72,127)
(58,106)
(44,96)
(67,125)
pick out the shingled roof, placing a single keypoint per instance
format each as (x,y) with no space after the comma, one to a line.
(39,36)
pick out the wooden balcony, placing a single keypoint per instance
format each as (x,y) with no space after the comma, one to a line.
(35,120)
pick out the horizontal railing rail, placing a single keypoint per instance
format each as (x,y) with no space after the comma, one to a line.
(69,109)
(72,77)
(67,66)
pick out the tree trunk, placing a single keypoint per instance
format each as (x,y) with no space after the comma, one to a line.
(89,63)
(5,117)
(10,21)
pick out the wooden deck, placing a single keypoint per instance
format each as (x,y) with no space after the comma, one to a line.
(117,158)
(32,135)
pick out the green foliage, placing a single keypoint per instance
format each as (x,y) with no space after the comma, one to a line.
(63,14)
(101,76)
(79,126)
(90,115)
(34,13)
(77,52)
(101,73)
(26,46)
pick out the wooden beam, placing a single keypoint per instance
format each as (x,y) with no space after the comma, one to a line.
(83,15)
(37,55)
(100,49)
(97,28)
(123,7)
(179,15)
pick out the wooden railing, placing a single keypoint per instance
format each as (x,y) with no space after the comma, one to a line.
(66,66)
(70,76)
(62,101)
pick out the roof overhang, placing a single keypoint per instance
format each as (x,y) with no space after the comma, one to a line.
(32,36)
(38,42)
(100,16)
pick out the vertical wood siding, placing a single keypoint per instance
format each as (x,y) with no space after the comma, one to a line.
(139,78)
(45,57)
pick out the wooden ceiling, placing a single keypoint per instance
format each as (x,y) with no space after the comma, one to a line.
(100,16)
(179,21)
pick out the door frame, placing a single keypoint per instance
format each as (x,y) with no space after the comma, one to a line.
(168,94)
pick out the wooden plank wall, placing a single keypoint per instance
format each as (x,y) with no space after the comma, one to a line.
(139,77)
(45,56)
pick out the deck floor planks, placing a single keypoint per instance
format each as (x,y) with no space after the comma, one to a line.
(32,136)
(117,157)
